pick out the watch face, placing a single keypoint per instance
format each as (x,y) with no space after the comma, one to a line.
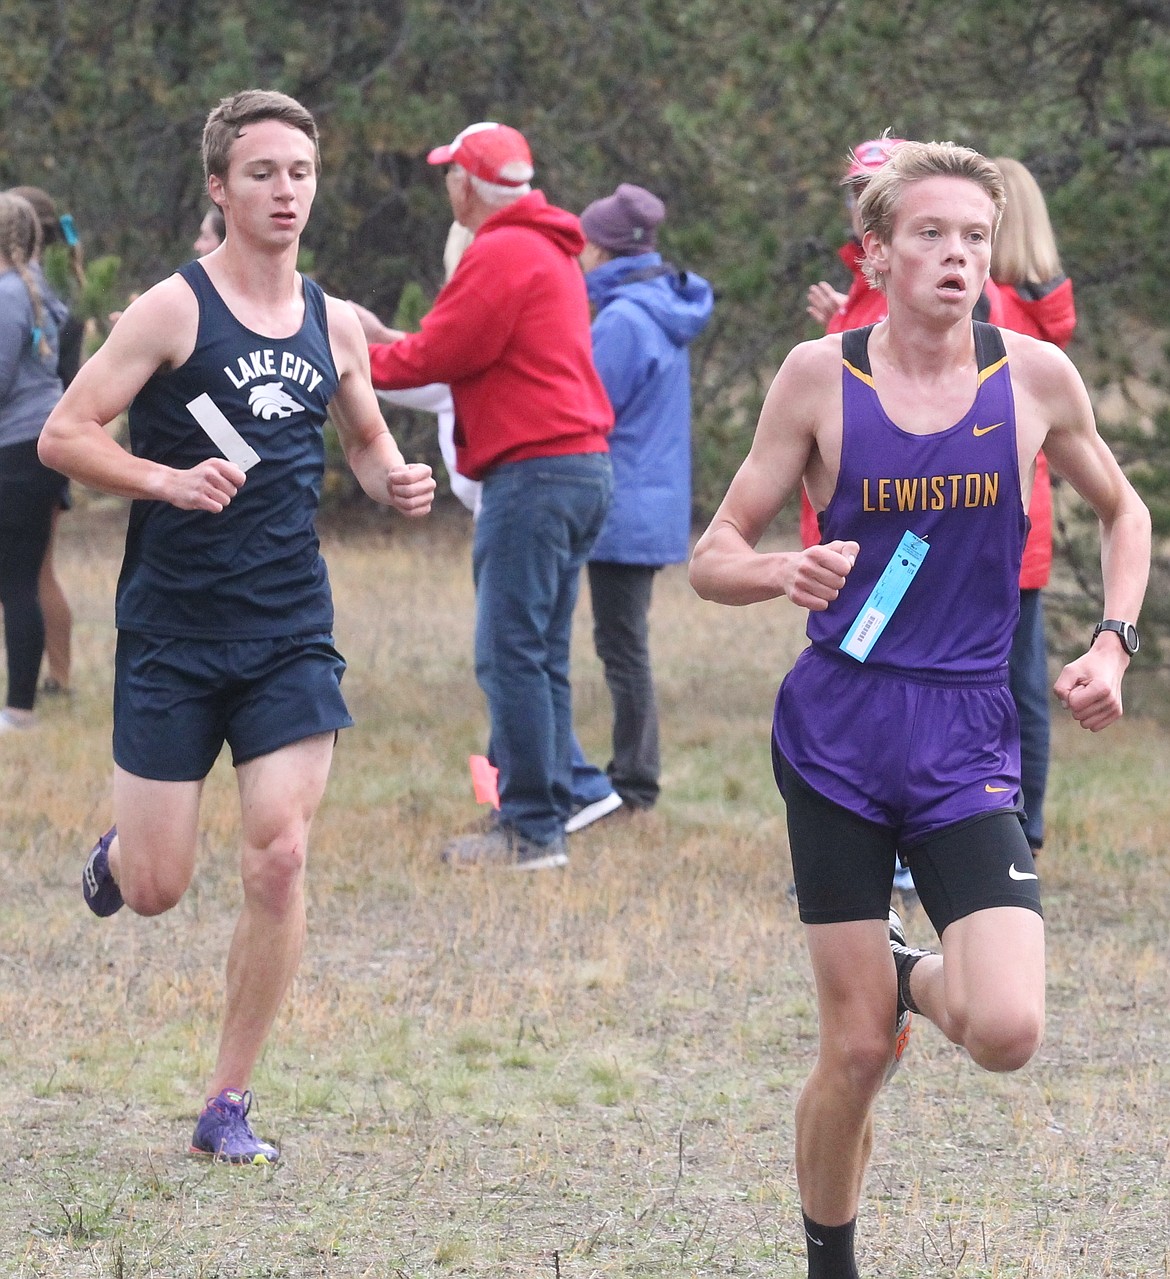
(1126,632)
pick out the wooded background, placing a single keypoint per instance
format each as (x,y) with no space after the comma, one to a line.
(738,113)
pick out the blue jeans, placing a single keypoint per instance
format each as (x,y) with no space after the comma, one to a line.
(538,521)
(589,783)
(1028,677)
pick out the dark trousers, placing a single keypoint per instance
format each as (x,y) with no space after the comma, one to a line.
(28,494)
(621,634)
(1028,677)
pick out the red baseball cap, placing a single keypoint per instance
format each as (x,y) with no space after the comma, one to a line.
(494,152)
(868,157)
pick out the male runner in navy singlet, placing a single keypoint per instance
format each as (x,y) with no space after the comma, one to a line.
(895,731)
(224,611)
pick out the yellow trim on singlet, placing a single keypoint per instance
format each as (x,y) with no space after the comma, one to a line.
(984,374)
(857,373)
(867,378)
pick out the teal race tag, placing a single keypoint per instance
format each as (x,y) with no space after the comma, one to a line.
(885,596)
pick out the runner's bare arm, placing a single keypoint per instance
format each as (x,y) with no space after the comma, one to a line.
(370,450)
(725,566)
(156,331)
(1049,385)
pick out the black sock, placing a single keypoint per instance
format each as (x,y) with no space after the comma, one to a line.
(830,1250)
(905,966)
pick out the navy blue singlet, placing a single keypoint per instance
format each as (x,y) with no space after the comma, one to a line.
(254,570)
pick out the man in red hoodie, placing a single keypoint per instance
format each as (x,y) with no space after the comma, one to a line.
(510,334)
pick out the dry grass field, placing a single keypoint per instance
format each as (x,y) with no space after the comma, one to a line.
(574,1074)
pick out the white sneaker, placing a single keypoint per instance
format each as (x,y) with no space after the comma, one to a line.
(587,814)
(15,722)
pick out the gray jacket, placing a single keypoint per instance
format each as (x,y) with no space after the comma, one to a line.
(29,385)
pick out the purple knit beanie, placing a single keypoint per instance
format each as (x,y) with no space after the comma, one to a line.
(624,223)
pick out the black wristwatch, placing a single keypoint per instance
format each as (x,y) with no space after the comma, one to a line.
(1126,633)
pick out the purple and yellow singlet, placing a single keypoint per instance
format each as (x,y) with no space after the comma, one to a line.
(923,733)
(959,489)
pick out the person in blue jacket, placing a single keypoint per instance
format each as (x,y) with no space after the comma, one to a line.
(647,312)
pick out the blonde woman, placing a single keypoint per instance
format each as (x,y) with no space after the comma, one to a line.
(58,229)
(30,320)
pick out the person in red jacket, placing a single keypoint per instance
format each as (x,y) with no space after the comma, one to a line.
(510,334)
(863,304)
(1034,297)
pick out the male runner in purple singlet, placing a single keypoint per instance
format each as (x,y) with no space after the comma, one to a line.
(895,730)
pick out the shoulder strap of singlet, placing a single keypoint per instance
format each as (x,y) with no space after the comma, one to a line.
(990,353)
(855,352)
(315,301)
(196,277)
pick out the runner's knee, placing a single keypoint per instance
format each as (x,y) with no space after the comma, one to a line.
(858,1059)
(151,892)
(1004,1039)
(273,874)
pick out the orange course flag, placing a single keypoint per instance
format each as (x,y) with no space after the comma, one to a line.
(484,780)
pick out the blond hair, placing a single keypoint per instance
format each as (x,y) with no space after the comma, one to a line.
(912,162)
(1025,246)
(228,120)
(20,243)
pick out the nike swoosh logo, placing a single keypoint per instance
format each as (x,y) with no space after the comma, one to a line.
(1020,874)
(820,1243)
(994,790)
(985,430)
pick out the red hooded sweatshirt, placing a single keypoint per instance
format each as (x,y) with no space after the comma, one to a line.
(510,333)
(1047,312)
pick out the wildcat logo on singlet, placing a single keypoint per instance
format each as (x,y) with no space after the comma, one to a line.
(931,492)
(272,400)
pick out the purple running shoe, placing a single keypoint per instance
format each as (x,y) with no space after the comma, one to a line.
(224,1134)
(98,886)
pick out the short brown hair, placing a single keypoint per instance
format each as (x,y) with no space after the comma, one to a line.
(912,162)
(227,121)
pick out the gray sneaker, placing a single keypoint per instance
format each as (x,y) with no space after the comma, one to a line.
(503,848)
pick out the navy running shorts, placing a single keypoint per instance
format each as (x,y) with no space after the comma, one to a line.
(843,864)
(177,701)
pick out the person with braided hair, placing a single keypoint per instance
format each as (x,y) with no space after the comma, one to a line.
(30,321)
(58,229)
